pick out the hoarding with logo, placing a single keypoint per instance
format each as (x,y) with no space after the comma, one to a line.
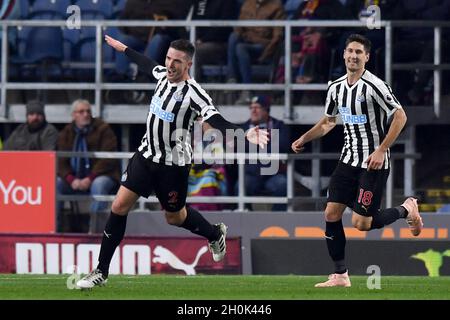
(310,257)
(27,191)
(57,254)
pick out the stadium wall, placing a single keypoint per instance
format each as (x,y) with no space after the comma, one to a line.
(58,254)
(296,227)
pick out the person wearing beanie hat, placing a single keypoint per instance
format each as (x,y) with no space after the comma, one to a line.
(257,184)
(35,106)
(34,135)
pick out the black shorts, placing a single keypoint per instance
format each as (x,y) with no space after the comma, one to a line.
(170,183)
(357,188)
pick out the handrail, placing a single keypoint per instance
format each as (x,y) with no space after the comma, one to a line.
(241,199)
(287,87)
(225,23)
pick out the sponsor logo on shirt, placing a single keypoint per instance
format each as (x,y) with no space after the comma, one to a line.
(156,109)
(348,117)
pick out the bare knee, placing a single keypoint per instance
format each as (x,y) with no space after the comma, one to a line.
(361,223)
(334,211)
(176,218)
(124,201)
(120,207)
(332,216)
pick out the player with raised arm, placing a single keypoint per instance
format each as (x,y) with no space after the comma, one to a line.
(163,160)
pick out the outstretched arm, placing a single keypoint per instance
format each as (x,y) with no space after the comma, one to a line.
(144,63)
(254,135)
(325,125)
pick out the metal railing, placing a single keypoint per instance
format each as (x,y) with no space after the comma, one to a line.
(241,199)
(98,85)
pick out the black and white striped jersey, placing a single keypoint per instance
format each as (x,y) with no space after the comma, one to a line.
(172,112)
(364,108)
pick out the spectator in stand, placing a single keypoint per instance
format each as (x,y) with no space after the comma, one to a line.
(36,134)
(257,184)
(250,45)
(207,178)
(211,42)
(416,45)
(81,174)
(153,41)
(310,54)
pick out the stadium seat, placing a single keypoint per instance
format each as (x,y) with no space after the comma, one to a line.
(95,9)
(40,53)
(70,39)
(24,9)
(118,7)
(85,51)
(49,9)
(44,43)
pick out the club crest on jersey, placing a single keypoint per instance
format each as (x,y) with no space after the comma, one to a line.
(361,97)
(178,96)
(156,109)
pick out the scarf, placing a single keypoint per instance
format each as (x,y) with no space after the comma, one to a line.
(80,164)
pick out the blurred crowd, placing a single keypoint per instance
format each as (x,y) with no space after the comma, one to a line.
(224,54)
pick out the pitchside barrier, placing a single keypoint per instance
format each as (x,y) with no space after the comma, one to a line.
(64,253)
(27,210)
(315,182)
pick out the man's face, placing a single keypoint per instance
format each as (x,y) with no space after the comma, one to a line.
(258,114)
(82,115)
(177,64)
(355,56)
(35,120)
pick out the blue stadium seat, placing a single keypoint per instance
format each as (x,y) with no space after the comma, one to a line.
(44,43)
(22,36)
(24,8)
(70,39)
(85,51)
(49,9)
(118,7)
(42,53)
(95,9)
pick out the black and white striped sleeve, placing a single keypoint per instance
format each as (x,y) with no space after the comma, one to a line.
(145,64)
(201,102)
(383,94)
(331,108)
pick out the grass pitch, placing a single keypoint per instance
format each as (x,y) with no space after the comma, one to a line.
(173,287)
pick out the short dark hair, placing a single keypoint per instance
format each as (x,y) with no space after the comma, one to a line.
(361,39)
(183,45)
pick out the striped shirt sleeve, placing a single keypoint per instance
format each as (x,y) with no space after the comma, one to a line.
(384,96)
(331,109)
(201,102)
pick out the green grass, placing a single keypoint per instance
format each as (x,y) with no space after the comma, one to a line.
(168,287)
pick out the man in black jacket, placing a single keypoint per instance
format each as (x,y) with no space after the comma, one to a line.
(35,134)
(211,43)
